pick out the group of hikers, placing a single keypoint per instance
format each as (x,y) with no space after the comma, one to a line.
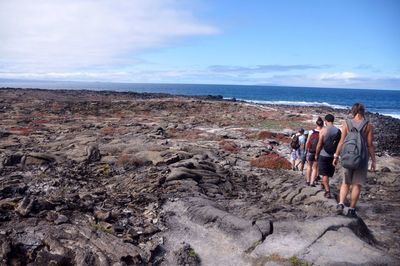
(323,147)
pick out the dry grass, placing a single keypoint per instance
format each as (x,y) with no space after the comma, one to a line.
(126,160)
(188,134)
(278,259)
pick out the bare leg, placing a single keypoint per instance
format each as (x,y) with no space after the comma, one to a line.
(325,182)
(355,194)
(314,172)
(309,171)
(344,189)
(302,165)
(297,166)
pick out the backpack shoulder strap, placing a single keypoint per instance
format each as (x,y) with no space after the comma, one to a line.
(350,125)
(363,125)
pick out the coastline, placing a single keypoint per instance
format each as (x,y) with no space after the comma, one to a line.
(261,94)
(329,107)
(132,175)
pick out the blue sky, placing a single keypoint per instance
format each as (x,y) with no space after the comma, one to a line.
(342,43)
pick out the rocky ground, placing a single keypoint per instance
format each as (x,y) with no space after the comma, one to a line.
(105,178)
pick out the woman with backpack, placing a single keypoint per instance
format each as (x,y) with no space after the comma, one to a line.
(311,148)
(355,147)
(294,150)
(297,152)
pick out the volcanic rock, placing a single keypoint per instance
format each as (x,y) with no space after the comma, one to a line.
(107,178)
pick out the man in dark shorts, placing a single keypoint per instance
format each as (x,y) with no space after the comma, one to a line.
(325,150)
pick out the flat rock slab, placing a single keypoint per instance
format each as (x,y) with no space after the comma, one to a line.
(326,241)
(341,247)
(218,237)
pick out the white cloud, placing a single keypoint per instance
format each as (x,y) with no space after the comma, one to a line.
(337,76)
(344,79)
(65,35)
(264,69)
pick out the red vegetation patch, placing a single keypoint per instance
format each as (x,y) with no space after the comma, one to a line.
(229,146)
(120,114)
(21,130)
(266,135)
(283,138)
(41,121)
(271,161)
(107,130)
(272,135)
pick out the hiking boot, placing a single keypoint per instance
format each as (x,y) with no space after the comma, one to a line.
(307,183)
(351,213)
(313,184)
(339,208)
(327,194)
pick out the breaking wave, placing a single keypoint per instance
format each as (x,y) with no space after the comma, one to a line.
(298,103)
(303,103)
(392,115)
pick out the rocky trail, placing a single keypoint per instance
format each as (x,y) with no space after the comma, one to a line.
(102,178)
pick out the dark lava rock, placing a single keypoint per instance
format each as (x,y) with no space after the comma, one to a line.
(92,153)
(37,159)
(61,219)
(25,206)
(12,159)
(4,134)
(386,133)
(49,210)
(187,256)
(385,169)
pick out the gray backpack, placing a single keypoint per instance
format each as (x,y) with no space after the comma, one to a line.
(353,154)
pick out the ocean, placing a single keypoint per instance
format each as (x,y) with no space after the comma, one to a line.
(386,102)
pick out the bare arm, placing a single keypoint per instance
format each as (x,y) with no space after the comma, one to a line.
(342,138)
(308,139)
(371,147)
(320,141)
(340,145)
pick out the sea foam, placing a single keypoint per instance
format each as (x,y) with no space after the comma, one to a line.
(297,103)
(316,104)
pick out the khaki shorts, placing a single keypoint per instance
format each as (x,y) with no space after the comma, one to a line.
(357,176)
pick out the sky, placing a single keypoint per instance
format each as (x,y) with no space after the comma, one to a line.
(341,43)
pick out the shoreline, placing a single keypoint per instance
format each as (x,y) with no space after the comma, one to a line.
(217,97)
